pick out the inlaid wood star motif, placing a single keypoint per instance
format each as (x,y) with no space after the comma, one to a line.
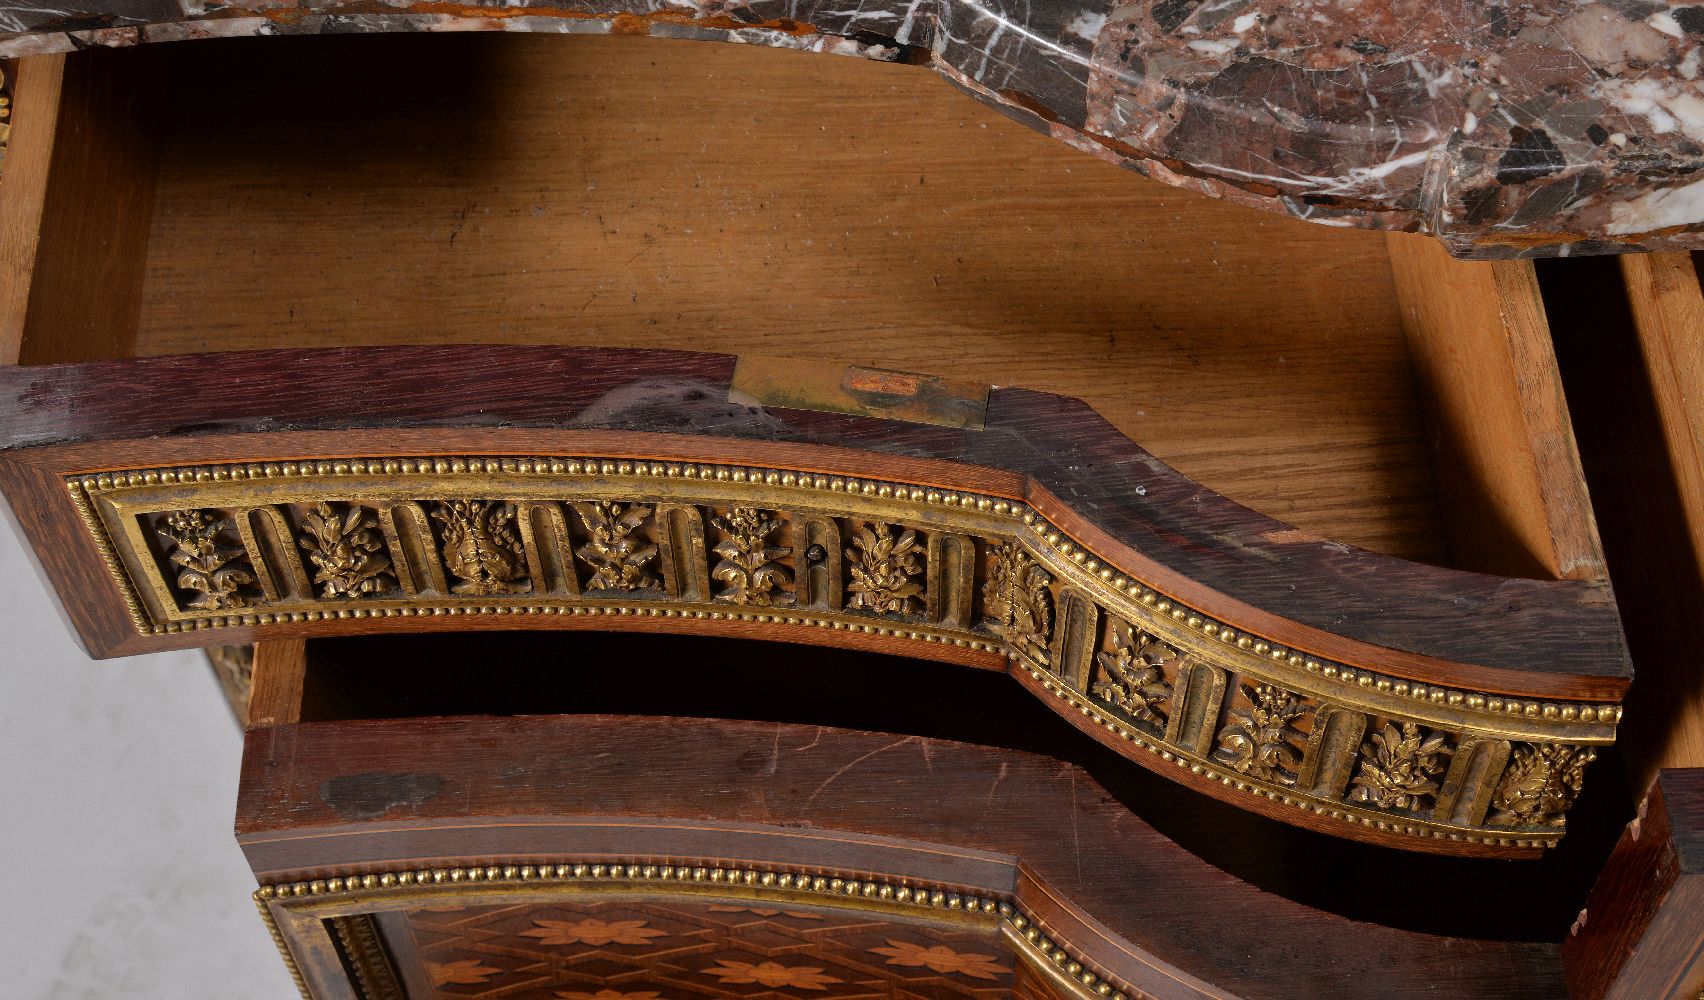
(762,912)
(593,931)
(771,974)
(467,972)
(711,948)
(940,958)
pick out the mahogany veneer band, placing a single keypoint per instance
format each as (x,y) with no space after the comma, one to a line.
(368,817)
(1555,128)
(408,489)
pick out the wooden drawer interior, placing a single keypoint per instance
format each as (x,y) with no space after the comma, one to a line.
(631,192)
(622,192)
(641,192)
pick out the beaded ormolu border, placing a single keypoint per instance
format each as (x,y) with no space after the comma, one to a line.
(116,505)
(1112,583)
(1045,951)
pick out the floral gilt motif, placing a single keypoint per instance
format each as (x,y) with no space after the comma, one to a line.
(1131,676)
(1399,768)
(940,958)
(215,573)
(616,552)
(481,547)
(771,974)
(1017,601)
(592,931)
(347,551)
(885,570)
(1539,785)
(748,567)
(1259,742)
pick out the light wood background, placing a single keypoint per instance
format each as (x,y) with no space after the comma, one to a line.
(642,192)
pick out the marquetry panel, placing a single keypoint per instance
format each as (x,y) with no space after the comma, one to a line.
(696,546)
(645,948)
(646,932)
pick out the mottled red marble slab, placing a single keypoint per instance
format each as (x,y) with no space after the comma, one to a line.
(1541,128)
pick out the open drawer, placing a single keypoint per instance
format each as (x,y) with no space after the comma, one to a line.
(1421,590)
(418,836)
(405,847)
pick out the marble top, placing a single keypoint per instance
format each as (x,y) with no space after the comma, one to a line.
(1540,128)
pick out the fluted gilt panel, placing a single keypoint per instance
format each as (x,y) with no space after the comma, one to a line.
(697,544)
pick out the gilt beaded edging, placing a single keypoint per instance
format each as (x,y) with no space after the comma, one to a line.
(1369,818)
(82,487)
(1059,960)
(1049,606)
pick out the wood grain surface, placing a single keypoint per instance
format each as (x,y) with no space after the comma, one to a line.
(1508,468)
(649,193)
(86,285)
(23,198)
(1668,313)
(347,798)
(275,697)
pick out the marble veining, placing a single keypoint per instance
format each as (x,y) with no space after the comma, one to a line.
(1542,128)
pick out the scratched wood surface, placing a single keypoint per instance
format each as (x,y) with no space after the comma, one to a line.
(641,192)
(425,676)
(366,796)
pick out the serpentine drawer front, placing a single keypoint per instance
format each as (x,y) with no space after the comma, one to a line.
(517,858)
(997,528)
(404,849)
(1555,128)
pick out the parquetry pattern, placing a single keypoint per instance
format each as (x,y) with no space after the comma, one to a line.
(644,949)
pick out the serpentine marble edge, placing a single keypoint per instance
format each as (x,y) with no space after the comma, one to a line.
(1539,128)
